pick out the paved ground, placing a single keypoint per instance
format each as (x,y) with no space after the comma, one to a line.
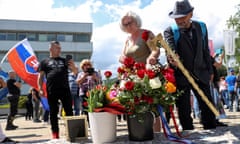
(29,132)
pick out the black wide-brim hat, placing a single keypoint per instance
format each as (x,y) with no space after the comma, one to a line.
(181,9)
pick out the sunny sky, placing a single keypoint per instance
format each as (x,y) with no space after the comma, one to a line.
(108,39)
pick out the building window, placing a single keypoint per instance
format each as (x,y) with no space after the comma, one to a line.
(60,37)
(3,36)
(42,37)
(82,38)
(68,38)
(32,37)
(11,36)
(2,53)
(42,55)
(51,37)
(21,36)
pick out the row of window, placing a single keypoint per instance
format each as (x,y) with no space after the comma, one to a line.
(76,56)
(38,36)
(41,55)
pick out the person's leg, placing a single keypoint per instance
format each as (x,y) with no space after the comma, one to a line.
(224,97)
(66,100)
(53,105)
(208,118)
(231,99)
(13,111)
(196,107)
(76,102)
(2,135)
(184,109)
(4,138)
(237,99)
(37,111)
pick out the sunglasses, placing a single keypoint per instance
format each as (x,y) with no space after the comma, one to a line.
(127,24)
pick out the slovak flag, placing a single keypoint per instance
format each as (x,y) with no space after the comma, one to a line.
(24,62)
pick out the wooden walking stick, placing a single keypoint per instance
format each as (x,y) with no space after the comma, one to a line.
(159,40)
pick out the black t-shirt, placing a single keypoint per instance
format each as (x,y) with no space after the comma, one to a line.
(56,72)
(12,89)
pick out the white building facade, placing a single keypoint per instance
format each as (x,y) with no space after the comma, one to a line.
(75,39)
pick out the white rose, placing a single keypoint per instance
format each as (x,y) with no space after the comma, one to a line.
(155,83)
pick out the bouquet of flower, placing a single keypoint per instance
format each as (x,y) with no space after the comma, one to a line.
(142,87)
(102,98)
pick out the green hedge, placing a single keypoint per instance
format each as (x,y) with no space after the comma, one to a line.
(21,103)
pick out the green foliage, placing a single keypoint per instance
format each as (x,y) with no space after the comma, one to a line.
(21,103)
(222,71)
(234,23)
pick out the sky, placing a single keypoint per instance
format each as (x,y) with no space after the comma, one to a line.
(108,39)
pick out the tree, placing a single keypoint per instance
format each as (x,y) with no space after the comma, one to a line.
(234,23)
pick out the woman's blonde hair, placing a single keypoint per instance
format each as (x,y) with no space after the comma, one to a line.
(134,17)
(85,61)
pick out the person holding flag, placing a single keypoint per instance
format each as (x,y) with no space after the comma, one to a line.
(55,69)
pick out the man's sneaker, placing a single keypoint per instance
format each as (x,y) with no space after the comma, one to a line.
(14,126)
(10,127)
(37,121)
(55,135)
(8,140)
(218,123)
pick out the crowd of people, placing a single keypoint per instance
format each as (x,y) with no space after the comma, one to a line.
(68,84)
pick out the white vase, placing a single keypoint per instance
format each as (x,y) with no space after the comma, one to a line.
(103,127)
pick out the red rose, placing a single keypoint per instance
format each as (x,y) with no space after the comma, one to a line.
(129,62)
(145,35)
(136,100)
(85,104)
(129,85)
(120,70)
(169,75)
(108,74)
(150,73)
(141,73)
(139,65)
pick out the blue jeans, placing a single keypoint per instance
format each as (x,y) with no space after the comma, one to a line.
(225,97)
(237,99)
(77,104)
(233,98)
(196,107)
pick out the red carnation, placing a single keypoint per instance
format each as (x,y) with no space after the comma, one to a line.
(108,74)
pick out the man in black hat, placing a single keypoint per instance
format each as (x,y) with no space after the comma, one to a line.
(192,50)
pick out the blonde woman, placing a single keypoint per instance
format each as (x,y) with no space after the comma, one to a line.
(86,80)
(136,45)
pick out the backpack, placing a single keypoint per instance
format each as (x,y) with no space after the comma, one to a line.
(176,34)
